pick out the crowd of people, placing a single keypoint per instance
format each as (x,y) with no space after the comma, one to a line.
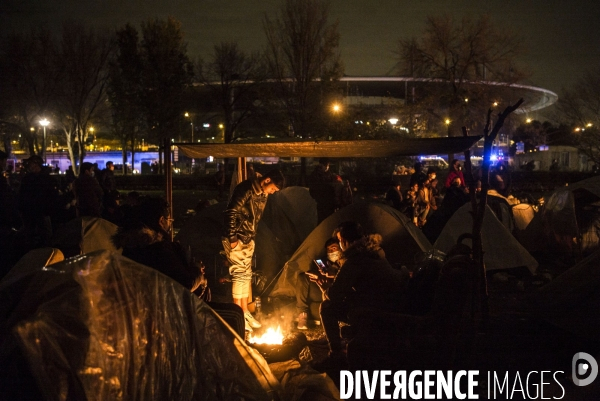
(355,271)
(34,204)
(424,201)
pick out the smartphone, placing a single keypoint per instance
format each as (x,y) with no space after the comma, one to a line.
(320,265)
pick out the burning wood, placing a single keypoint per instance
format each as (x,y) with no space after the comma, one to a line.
(271,336)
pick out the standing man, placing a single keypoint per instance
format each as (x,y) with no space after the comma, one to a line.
(321,188)
(241,221)
(393,196)
(455,171)
(36,202)
(220,180)
(88,192)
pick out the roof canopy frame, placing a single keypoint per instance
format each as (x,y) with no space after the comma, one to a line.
(316,148)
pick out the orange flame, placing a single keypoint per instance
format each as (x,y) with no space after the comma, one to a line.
(271,336)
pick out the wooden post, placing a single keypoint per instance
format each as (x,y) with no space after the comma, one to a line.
(481,206)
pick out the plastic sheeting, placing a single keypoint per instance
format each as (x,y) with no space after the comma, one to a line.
(102,327)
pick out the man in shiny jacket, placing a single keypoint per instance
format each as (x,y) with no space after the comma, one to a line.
(241,221)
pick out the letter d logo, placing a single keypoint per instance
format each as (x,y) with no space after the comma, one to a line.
(590,365)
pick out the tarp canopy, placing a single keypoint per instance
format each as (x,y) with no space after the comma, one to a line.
(402,240)
(289,217)
(501,250)
(572,300)
(314,148)
(100,327)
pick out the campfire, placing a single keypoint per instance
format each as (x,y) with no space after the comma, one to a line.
(270,336)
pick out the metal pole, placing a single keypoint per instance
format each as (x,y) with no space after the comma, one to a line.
(192,132)
(44,145)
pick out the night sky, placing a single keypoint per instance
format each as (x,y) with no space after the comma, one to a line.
(562,37)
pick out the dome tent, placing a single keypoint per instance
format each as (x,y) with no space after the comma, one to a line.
(402,240)
(501,250)
(289,216)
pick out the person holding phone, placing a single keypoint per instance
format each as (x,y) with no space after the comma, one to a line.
(311,284)
(242,215)
(365,280)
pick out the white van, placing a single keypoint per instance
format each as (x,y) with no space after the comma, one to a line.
(436,162)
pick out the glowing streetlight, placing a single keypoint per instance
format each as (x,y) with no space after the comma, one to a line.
(191,122)
(393,121)
(466,100)
(528,121)
(336,108)
(495,104)
(44,123)
(588,125)
(447,121)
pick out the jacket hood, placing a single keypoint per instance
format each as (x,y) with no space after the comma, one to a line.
(369,246)
(136,238)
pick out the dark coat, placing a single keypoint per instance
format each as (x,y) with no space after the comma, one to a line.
(321,186)
(88,193)
(38,195)
(395,198)
(366,279)
(244,211)
(150,248)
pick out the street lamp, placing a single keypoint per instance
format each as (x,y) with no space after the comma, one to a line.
(44,123)
(192,123)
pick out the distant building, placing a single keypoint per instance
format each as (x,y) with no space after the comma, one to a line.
(564,158)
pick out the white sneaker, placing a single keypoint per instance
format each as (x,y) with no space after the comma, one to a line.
(250,320)
(247,326)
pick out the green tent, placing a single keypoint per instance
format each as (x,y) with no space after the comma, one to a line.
(501,250)
(402,240)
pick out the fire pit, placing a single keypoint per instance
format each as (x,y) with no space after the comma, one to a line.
(275,347)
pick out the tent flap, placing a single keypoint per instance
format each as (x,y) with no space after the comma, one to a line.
(314,148)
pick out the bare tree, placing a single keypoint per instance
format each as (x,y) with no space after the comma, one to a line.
(166,73)
(125,90)
(233,79)
(84,54)
(30,79)
(580,108)
(303,58)
(302,52)
(457,56)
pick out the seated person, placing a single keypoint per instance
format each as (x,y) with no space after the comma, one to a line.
(145,238)
(308,294)
(365,280)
